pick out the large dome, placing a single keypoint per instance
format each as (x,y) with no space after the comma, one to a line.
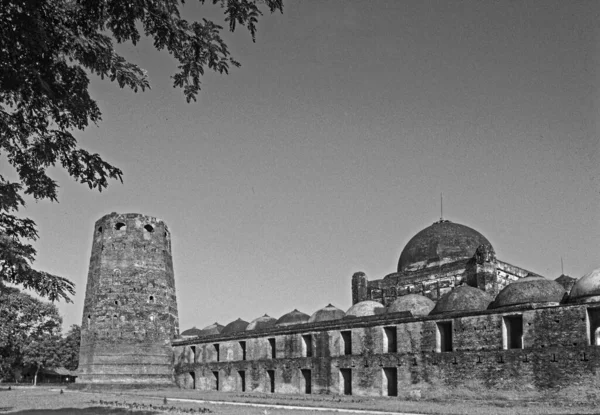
(438,244)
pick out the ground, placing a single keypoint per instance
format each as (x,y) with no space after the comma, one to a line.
(49,400)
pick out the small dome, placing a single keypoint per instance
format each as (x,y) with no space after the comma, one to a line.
(237,325)
(327,313)
(261,323)
(193,332)
(528,290)
(566,282)
(214,328)
(365,308)
(463,298)
(587,288)
(418,305)
(291,318)
(440,243)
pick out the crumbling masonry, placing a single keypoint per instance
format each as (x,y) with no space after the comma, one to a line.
(130,310)
(451,313)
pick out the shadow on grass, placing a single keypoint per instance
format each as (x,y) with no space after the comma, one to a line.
(92,410)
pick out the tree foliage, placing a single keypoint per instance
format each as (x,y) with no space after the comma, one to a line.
(48,49)
(43,352)
(23,319)
(69,348)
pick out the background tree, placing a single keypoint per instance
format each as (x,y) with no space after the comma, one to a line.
(47,50)
(69,349)
(43,353)
(23,319)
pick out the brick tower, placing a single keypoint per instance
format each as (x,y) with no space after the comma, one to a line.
(130,309)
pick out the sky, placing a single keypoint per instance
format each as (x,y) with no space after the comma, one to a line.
(328,150)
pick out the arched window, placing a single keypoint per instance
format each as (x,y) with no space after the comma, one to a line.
(149,228)
(151,299)
(116,302)
(89,321)
(100,229)
(120,226)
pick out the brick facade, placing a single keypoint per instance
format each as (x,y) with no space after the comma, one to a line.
(130,309)
(555,350)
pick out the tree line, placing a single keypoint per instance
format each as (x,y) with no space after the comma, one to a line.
(30,337)
(48,51)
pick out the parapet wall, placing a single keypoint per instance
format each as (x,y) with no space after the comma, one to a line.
(389,353)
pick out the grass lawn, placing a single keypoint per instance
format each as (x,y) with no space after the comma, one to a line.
(46,400)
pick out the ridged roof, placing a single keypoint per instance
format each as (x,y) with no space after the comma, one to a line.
(529,290)
(365,308)
(463,298)
(327,313)
(261,323)
(443,242)
(234,326)
(417,304)
(586,287)
(293,317)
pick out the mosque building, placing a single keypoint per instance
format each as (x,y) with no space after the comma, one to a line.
(452,313)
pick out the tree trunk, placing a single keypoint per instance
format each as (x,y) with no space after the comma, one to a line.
(17,374)
(35,376)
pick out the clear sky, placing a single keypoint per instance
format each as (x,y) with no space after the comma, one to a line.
(328,149)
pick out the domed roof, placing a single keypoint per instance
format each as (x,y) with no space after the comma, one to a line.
(237,325)
(327,313)
(193,332)
(440,243)
(365,308)
(214,328)
(587,288)
(293,317)
(418,305)
(529,290)
(261,323)
(463,298)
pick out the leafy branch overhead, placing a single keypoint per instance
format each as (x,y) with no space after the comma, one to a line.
(48,48)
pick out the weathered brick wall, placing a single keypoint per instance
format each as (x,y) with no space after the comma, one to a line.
(556,352)
(130,308)
(433,283)
(508,273)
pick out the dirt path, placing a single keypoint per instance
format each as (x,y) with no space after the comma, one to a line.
(302,408)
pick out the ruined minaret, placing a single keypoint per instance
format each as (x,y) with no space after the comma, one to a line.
(130,309)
